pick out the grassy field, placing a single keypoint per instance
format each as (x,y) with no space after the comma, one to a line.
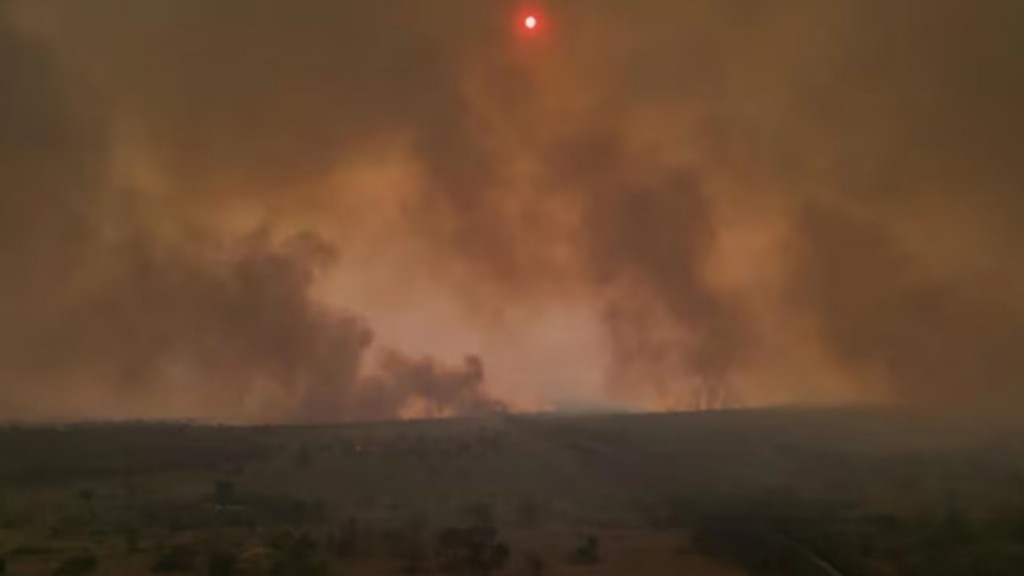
(744,492)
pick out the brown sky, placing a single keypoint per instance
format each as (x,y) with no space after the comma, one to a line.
(268,210)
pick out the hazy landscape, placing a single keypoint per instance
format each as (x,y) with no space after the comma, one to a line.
(864,492)
(511,287)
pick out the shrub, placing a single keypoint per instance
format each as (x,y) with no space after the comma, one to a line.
(3,565)
(295,555)
(224,493)
(87,495)
(177,558)
(221,563)
(588,552)
(30,550)
(475,551)
(77,565)
(255,560)
(953,529)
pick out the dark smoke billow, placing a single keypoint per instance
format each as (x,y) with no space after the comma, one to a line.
(753,205)
(105,318)
(422,388)
(931,341)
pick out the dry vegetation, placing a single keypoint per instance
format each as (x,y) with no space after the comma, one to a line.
(772,492)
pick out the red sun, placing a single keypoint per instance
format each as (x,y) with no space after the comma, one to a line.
(531,22)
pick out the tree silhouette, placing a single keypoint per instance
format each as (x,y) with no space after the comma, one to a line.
(474,551)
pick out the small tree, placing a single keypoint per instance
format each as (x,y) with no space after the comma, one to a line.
(3,565)
(588,552)
(472,551)
(87,495)
(224,492)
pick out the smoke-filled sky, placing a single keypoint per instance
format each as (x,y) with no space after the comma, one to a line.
(260,210)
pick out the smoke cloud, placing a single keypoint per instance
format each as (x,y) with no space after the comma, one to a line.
(318,210)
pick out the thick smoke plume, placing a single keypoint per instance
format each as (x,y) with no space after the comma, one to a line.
(269,210)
